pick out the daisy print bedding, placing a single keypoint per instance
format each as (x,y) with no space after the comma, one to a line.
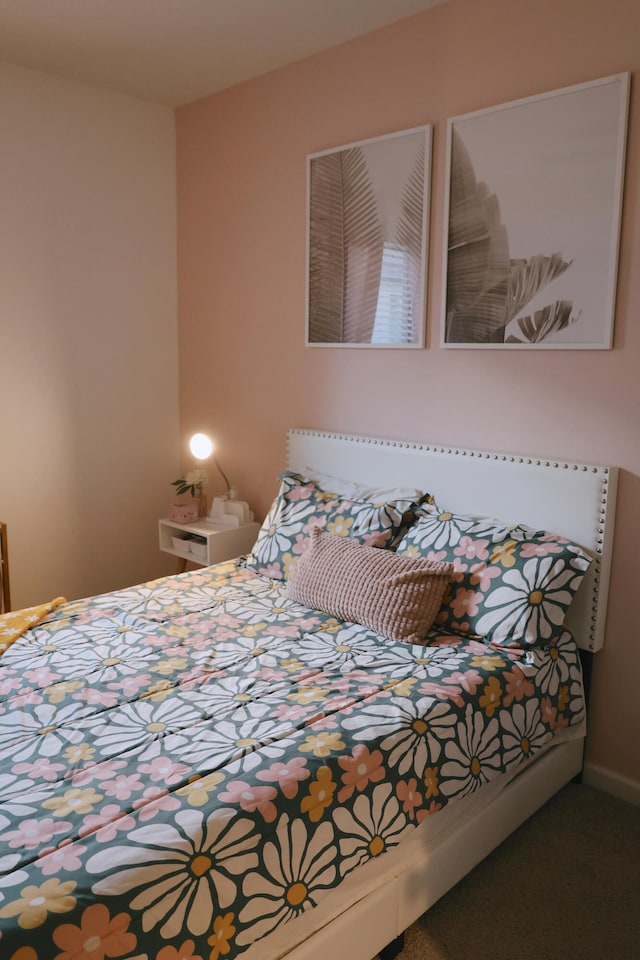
(511,585)
(187,765)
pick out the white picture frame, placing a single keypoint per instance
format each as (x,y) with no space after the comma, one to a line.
(533,204)
(367,242)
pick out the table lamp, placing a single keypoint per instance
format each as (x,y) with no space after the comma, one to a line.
(226,511)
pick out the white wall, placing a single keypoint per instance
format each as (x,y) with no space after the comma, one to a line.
(89,438)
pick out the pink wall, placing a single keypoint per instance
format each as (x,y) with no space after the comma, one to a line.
(245,373)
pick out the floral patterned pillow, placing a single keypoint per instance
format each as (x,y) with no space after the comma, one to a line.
(511,585)
(302,505)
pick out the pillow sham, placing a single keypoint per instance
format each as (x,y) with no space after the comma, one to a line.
(396,596)
(511,585)
(355,490)
(301,505)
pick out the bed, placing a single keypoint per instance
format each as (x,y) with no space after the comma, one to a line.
(204,766)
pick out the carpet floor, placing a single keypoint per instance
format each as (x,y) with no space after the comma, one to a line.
(565,886)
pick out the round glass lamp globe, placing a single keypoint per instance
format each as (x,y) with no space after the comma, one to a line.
(201,446)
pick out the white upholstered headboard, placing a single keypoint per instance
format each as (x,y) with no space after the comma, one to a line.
(575,500)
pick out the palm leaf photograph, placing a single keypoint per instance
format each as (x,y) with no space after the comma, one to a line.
(366,245)
(534,194)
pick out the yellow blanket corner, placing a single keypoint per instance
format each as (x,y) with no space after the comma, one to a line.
(14,624)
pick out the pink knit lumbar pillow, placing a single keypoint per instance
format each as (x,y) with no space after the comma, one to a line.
(397,597)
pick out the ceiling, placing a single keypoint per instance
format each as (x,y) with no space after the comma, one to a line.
(175,51)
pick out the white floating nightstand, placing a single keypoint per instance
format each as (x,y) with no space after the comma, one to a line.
(228,532)
(204,542)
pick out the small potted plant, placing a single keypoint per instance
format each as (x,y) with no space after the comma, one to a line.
(192,483)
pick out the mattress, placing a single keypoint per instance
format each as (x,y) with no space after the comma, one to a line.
(193,763)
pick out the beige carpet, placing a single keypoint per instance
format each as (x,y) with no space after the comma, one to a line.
(565,886)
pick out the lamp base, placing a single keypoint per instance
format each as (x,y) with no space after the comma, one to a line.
(230,513)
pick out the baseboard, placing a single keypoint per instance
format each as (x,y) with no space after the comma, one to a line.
(614,783)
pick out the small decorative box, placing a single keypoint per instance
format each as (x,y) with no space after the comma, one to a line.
(183,512)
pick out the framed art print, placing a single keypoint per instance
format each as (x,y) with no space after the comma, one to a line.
(367,211)
(533,207)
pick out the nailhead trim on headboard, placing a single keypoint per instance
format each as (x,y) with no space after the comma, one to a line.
(602,533)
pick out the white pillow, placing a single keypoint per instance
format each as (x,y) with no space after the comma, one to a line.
(354,490)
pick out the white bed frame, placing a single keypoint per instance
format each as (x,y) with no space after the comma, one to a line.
(575,500)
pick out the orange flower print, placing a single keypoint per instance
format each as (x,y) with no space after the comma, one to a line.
(503,553)
(465,603)
(73,801)
(563,698)
(517,686)
(184,952)
(412,551)
(24,953)
(320,795)
(537,549)
(482,575)
(487,662)
(431,782)
(492,696)
(322,744)
(470,680)
(34,903)
(431,809)
(223,933)
(407,793)
(548,712)
(552,715)
(472,549)
(97,937)
(360,768)
(340,526)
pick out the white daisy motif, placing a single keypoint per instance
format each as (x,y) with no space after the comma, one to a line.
(279,530)
(416,660)
(299,868)
(349,648)
(245,653)
(160,603)
(473,758)
(532,601)
(103,663)
(437,531)
(239,695)
(9,876)
(411,733)
(523,732)
(134,725)
(272,608)
(372,517)
(557,662)
(21,797)
(43,731)
(39,647)
(241,746)
(496,530)
(179,876)
(370,828)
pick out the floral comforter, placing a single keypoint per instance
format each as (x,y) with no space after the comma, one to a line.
(188,764)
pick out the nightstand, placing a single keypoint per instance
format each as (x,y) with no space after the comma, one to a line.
(204,542)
